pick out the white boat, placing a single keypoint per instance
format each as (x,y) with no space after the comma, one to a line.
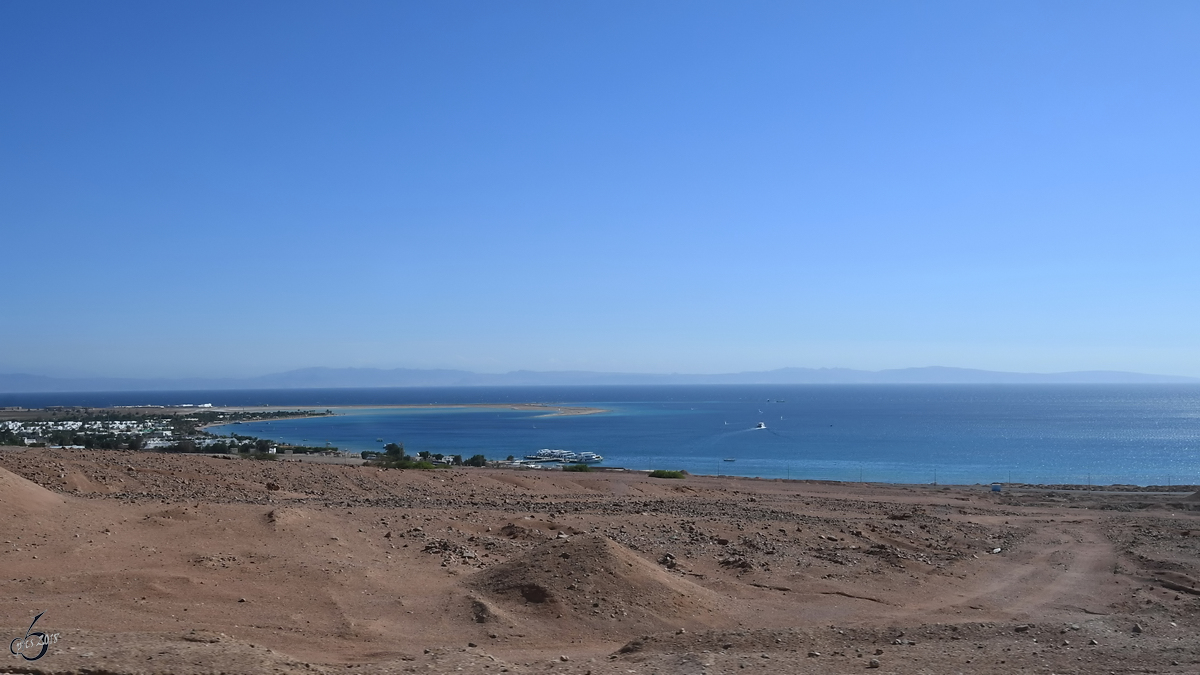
(548,455)
(761,425)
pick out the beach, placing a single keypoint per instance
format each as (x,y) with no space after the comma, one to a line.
(535,407)
(318,411)
(149,562)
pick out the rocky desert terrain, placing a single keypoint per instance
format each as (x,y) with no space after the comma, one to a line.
(156,563)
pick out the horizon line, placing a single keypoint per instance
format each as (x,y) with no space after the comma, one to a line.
(322,377)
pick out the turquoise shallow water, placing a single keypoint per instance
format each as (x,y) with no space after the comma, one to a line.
(1102,434)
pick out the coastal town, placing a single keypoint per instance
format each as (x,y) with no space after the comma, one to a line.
(164,428)
(185,429)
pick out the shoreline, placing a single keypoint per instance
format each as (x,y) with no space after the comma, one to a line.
(1113,489)
(555,410)
(602,472)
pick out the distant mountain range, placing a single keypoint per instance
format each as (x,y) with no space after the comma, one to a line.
(331,378)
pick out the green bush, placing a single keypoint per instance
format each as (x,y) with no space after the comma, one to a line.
(476,460)
(659,473)
(577,467)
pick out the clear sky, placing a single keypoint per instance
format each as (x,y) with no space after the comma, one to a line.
(237,188)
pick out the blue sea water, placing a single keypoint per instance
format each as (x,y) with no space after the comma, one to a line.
(1103,434)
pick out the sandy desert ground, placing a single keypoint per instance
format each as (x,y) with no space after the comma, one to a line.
(153,563)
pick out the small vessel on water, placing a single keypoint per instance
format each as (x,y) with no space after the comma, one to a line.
(761,425)
(729,459)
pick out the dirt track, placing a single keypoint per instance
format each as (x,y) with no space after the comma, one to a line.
(156,563)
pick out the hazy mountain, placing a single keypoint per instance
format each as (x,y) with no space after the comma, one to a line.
(317,378)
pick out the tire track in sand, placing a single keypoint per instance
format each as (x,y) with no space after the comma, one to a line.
(1065,565)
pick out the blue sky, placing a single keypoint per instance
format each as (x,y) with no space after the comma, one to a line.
(207,188)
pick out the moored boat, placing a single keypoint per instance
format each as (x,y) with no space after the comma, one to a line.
(566,456)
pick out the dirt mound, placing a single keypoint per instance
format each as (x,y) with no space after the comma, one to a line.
(18,495)
(593,581)
(1194,497)
(284,517)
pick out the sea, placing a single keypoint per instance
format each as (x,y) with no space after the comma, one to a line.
(944,434)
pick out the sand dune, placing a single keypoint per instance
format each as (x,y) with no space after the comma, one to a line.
(19,496)
(589,584)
